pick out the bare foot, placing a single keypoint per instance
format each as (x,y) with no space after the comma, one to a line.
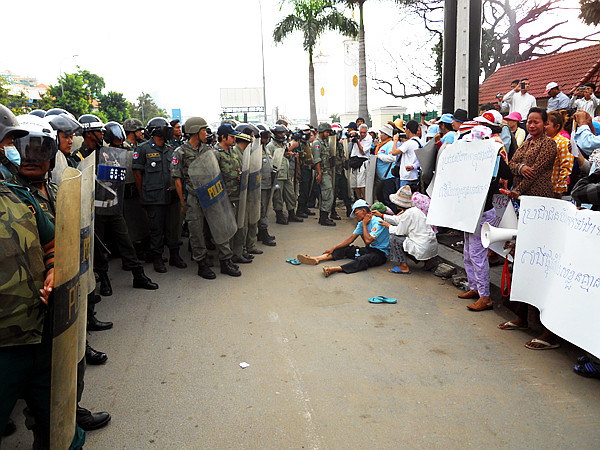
(327,271)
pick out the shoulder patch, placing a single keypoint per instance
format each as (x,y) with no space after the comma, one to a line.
(374,229)
(136,155)
(317,146)
(174,161)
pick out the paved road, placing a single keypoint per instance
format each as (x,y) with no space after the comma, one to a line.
(327,369)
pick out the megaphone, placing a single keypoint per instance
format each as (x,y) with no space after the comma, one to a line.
(491,234)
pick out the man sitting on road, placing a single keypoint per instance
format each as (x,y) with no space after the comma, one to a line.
(376,239)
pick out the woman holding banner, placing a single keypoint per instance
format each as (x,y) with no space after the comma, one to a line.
(532,166)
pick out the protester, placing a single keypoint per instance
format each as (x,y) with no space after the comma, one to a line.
(360,146)
(519,99)
(447,133)
(563,165)
(384,179)
(585,99)
(558,100)
(512,121)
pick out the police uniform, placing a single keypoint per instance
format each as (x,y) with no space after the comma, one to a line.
(230,163)
(183,156)
(158,196)
(266,183)
(322,154)
(79,155)
(306,176)
(285,196)
(341,182)
(134,214)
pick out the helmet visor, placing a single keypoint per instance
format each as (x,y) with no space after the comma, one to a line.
(36,148)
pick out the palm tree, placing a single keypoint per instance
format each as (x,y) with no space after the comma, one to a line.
(313,18)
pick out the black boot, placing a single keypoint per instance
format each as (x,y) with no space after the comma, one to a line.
(241,260)
(293,218)
(159,264)
(141,281)
(91,421)
(9,428)
(325,220)
(204,271)
(348,210)
(105,287)
(94,324)
(280,218)
(263,236)
(94,357)
(308,212)
(300,213)
(334,215)
(228,268)
(175,259)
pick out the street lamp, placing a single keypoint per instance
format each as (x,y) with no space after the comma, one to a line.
(62,88)
(262,50)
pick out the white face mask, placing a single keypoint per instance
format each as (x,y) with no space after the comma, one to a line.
(13,155)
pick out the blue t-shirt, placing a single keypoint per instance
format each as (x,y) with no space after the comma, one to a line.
(382,167)
(449,137)
(381,235)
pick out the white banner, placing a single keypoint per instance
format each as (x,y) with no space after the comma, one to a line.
(462,180)
(556,268)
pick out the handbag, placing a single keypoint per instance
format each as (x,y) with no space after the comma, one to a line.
(356,162)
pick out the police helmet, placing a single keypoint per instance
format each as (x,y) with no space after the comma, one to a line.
(39,145)
(10,124)
(65,123)
(279,133)
(113,131)
(249,129)
(56,112)
(193,125)
(159,127)
(90,122)
(323,127)
(262,127)
(132,125)
(38,112)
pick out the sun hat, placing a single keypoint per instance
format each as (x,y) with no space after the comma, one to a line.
(446,118)
(515,115)
(432,130)
(387,129)
(491,117)
(402,198)
(379,207)
(360,203)
(398,123)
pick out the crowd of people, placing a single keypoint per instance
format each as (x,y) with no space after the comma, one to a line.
(165,180)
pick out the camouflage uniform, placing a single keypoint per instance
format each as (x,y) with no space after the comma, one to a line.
(341,182)
(306,175)
(322,154)
(230,163)
(25,347)
(182,158)
(285,196)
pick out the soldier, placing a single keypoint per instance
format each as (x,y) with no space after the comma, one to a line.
(65,127)
(284,160)
(151,166)
(177,138)
(341,182)
(195,130)
(266,183)
(134,132)
(230,162)
(322,155)
(93,135)
(306,172)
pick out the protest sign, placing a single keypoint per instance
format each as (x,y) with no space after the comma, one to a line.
(556,270)
(462,180)
(427,156)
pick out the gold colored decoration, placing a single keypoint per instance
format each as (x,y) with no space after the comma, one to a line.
(355,81)
(322,92)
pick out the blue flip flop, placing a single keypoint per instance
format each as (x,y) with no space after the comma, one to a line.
(293,261)
(382,299)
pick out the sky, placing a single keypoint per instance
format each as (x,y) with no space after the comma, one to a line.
(182,52)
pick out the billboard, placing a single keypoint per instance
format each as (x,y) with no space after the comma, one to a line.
(234,98)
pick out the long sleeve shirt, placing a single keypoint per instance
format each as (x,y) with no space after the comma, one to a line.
(586,105)
(539,154)
(558,102)
(521,102)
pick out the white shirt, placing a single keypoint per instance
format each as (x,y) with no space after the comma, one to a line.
(520,102)
(366,146)
(586,105)
(409,158)
(420,239)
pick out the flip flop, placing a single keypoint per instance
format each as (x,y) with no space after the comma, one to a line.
(397,269)
(510,325)
(306,259)
(382,299)
(546,345)
(293,261)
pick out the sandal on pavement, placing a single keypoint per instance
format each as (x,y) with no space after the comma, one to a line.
(306,259)
(480,305)
(397,269)
(544,345)
(587,370)
(293,261)
(382,299)
(510,325)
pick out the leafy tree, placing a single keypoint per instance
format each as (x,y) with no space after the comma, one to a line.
(18,104)
(145,108)
(92,82)
(590,11)
(70,93)
(313,18)
(114,106)
(335,117)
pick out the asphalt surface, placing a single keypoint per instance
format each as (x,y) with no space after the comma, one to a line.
(327,369)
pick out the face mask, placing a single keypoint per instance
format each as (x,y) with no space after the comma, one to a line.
(13,155)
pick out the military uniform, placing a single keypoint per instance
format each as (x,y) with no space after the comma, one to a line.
(285,196)
(341,182)
(306,176)
(266,183)
(323,154)
(183,156)
(25,344)
(158,196)
(79,155)
(230,163)
(134,214)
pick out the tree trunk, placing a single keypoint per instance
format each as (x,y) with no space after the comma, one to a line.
(363,110)
(311,90)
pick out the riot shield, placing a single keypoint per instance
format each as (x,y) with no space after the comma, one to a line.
(427,157)
(60,164)
(370,181)
(87,280)
(254,180)
(207,181)
(110,181)
(277,159)
(333,152)
(66,310)
(241,211)
(346,167)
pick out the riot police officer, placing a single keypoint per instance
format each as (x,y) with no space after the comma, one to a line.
(267,176)
(306,172)
(134,132)
(65,127)
(93,133)
(151,166)
(322,155)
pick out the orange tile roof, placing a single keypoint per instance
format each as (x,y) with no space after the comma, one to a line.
(568,69)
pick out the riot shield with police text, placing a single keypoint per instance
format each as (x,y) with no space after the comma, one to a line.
(110,181)
(277,160)
(206,178)
(241,211)
(66,310)
(254,180)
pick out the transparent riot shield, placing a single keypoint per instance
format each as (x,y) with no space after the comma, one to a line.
(241,211)
(254,180)
(60,164)
(346,167)
(370,181)
(110,181)
(332,158)
(208,183)
(277,159)
(66,310)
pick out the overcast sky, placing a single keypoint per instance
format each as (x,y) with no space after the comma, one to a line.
(182,51)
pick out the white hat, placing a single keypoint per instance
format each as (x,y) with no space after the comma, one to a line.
(491,117)
(550,85)
(387,129)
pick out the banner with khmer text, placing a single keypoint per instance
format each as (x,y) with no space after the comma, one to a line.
(556,268)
